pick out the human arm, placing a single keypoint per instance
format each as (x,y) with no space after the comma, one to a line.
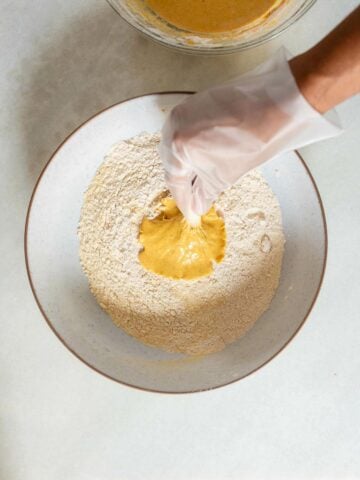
(214,137)
(329,73)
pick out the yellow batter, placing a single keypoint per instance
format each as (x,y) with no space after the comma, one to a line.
(212,16)
(175,249)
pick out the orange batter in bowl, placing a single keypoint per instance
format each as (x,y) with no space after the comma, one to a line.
(174,249)
(212,16)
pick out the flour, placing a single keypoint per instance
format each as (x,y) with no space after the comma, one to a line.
(194,317)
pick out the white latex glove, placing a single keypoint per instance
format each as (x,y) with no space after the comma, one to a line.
(214,137)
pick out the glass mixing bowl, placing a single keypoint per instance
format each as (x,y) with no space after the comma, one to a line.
(147,22)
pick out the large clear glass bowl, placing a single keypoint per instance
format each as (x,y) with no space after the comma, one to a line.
(147,22)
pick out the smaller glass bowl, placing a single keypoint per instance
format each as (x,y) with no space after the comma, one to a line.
(137,14)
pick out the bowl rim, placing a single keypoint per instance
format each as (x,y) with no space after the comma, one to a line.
(223,50)
(94,368)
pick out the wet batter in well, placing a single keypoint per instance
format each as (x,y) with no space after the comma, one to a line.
(212,16)
(175,249)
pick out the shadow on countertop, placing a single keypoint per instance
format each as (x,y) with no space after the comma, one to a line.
(98,60)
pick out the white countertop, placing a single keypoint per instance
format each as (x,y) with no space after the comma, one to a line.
(296,418)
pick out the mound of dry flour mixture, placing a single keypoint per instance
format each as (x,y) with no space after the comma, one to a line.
(194,317)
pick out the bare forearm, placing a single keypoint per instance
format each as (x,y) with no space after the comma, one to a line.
(329,73)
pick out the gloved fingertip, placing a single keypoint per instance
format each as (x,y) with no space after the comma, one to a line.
(193,219)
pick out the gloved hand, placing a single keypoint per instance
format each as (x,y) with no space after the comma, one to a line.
(214,137)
